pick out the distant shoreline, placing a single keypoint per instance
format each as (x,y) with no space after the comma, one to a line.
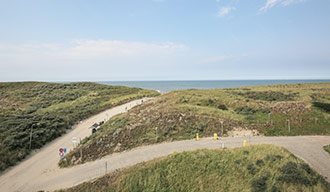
(164,86)
(167,86)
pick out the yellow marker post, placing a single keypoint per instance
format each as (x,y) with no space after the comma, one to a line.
(244,143)
(197,137)
(215,136)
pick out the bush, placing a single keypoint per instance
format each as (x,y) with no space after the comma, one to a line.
(259,184)
(323,106)
(268,95)
(246,152)
(307,169)
(222,107)
(273,158)
(327,148)
(260,163)
(245,110)
(291,174)
(275,189)
(251,169)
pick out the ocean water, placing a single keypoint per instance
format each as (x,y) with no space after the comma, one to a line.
(167,86)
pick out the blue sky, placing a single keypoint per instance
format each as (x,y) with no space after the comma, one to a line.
(164,39)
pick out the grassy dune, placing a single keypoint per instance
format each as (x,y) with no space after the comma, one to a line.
(50,109)
(180,115)
(254,168)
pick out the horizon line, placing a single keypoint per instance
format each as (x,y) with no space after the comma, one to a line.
(313,79)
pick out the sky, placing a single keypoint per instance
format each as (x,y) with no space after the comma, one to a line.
(123,40)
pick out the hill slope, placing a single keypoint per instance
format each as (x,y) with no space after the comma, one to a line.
(47,110)
(180,115)
(253,168)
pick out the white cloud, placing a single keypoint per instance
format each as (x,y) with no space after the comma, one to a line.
(225,11)
(271,3)
(89,59)
(85,48)
(97,48)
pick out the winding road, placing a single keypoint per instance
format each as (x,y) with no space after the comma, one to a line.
(40,171)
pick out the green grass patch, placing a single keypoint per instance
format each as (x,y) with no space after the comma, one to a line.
(268,95)
(254,168)
(327,148)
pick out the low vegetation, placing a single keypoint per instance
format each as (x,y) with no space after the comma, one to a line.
(268,95)
(327,148)
(255,168)
(46,110)
(264,110)
(323,106)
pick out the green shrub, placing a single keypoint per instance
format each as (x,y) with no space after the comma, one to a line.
(245,110)
(260,162)
(291,174)
(307,169)
(222,107)
(323,106)
(259,184)
(275,189)
(327,148)
(273,158)
(251,169)
(268,95)
(246,152)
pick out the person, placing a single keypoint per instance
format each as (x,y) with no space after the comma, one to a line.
(93,131)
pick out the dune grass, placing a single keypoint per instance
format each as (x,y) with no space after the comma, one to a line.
(180,115)
(254,168)
(48,110)
(327,148)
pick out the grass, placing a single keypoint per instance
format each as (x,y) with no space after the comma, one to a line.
(323,106)
(327,148)
(255,168)
(268,95)
(179,115)
(48,110)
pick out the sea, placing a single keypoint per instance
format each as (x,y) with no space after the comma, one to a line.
(167,86)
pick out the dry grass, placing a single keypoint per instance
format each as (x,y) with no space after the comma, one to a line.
(253,168)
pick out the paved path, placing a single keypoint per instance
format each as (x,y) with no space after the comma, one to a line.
(40,165)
